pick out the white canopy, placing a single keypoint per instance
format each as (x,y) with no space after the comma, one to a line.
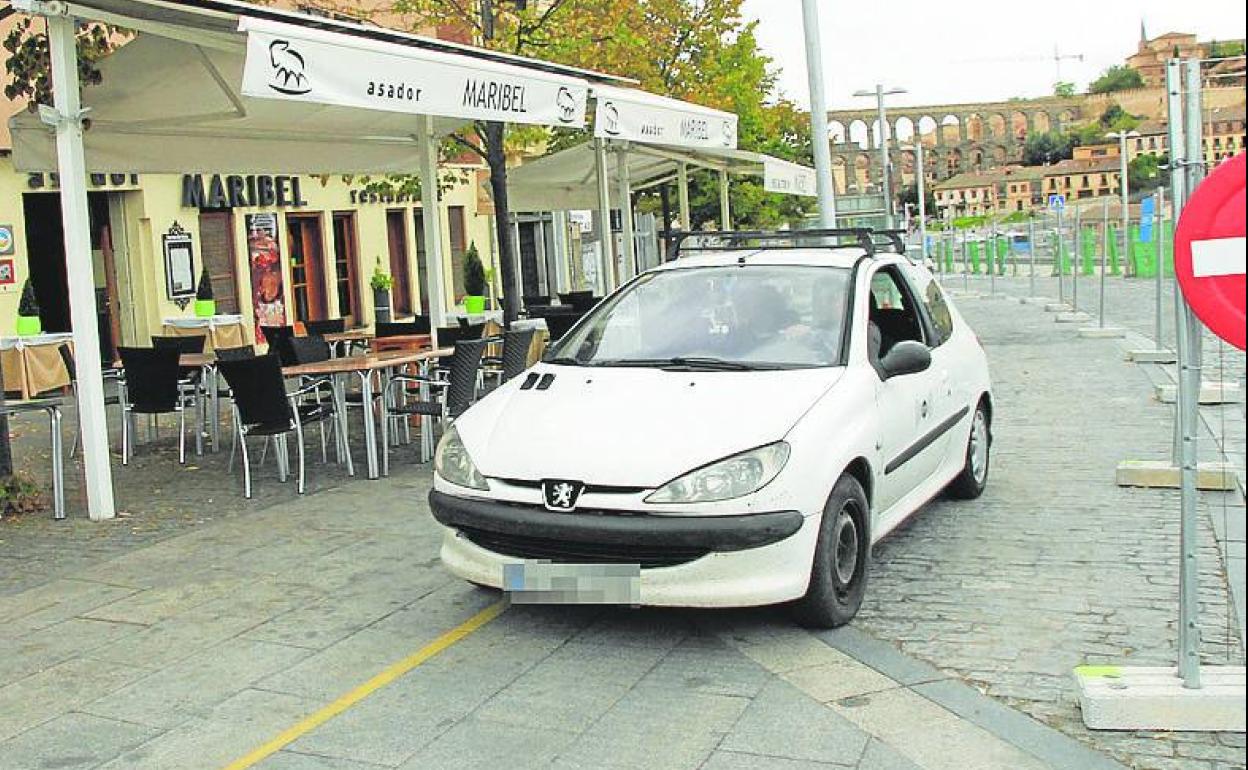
(265,93)
(630,114)
(567,179)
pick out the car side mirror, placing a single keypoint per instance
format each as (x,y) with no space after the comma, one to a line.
(906,357)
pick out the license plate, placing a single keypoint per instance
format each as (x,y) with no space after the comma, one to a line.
(544,582)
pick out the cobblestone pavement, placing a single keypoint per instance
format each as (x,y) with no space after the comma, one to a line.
(1056,566)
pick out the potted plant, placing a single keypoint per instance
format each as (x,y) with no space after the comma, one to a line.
(474,282)
(28,312)
(381,282)
(205,305)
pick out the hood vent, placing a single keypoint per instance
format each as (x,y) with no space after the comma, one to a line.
(529,381)
(546,381)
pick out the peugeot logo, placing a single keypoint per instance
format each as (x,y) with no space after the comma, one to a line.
(288,69)
(610,118)
(561,495)
(566,104)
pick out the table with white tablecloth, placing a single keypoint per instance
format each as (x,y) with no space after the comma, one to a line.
(33,364)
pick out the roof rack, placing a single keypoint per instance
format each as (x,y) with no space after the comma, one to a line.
(895,238)
(733,240)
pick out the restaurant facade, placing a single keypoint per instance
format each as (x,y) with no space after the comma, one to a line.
(279,248)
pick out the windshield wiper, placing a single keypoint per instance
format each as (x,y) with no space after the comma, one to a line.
(686,363)
(564,361)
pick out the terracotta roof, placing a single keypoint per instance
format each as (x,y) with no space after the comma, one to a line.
(1083,166)
(969,179)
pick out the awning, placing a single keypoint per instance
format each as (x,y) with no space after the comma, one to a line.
(566,180)
(259,90)
(638,116)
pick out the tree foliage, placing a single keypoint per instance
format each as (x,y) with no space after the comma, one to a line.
(1064,89)
(909,196)
(1049,147)
(1116,78)
(28,66)
(1144,173)
(1115,118)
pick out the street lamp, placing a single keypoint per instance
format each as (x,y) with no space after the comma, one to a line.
(1122,137)
(879,93)
(921,183)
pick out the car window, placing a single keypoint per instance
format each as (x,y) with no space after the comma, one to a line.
(892,313)
(933,299)
(752,315)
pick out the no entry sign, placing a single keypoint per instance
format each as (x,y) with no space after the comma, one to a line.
(1209,251)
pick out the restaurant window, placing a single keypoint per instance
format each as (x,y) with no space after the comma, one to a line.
(422,260)
(457,228)
(307,266)
(216,245)
(346,261)
(396,239)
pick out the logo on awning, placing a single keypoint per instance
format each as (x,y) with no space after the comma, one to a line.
(288,76)
(610,118)
(566,103)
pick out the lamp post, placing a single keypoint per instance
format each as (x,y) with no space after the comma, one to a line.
(921,187)
(879,93)
(819,115)
(1122,137)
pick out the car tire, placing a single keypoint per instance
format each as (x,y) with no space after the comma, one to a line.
(838,575)
(973,478)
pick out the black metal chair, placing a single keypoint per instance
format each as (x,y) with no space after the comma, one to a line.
(110,375)
(559,324)
(515,357)
(236,354)
(152,386)
(418,325)
(278,338)
(321,328)
(262,407)
(580,301)
(191,378)
(458,391)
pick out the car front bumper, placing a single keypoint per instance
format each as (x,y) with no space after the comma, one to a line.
(694,561)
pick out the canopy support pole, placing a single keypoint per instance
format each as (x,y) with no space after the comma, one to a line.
(682,187)
(629,248)
(432,220)
(604,215)
(725,211)
(72,164)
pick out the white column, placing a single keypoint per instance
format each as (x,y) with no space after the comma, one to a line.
(725,210)
(819,115)
(682,192)
(922,190)
(432,220)
(628,247)
(604,215)
(72,164)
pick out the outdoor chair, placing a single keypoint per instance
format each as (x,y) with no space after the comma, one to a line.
(515,357)
(321,328)
(559,324)
(418,325)
(262,407)
(580,301)
(457,392)
(110,375)
(152,386)
(190,378)
(278,338)
(236,354)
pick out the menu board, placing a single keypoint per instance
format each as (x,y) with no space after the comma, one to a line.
(264,255)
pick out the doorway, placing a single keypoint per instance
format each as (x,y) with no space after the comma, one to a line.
(216,244)
(422,260)
(346,261)
(396,237)
(307,266)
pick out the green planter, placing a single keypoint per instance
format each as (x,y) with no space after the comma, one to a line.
(474,305)
(205,308)
(28,325)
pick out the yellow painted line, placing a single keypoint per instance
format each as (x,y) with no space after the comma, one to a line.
(385,677)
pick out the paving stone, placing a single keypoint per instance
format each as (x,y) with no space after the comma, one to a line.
(37,650)
(487,745)
(735,760)
(290,760)
(59,689)
(72,741)
(832,681)
(784,722)
(881,756)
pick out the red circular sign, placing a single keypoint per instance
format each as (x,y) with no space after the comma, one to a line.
(1209,251)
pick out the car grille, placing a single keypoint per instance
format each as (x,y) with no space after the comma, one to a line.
(571,552)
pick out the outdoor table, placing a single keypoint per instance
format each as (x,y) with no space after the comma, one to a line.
(52,406)
(223,331)
(403,342)
(363,366)
(349,338)
(33,365)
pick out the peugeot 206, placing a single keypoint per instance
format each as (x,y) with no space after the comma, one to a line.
(735,427)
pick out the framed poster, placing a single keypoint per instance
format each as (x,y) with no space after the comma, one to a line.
(8,273)
(265,260)
(6,239)
(179,263)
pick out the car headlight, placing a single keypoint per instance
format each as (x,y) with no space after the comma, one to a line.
(730,477)
(453,463)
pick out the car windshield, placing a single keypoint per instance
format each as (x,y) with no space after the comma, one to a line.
(730,318)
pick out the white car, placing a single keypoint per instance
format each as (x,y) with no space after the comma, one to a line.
(733,428)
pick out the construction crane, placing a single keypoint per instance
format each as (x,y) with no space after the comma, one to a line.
(1057,58)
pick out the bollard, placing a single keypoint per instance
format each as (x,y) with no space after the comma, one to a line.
(1074,272)
(1031,247)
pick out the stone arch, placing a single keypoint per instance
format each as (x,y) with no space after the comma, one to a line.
(840,179)
(977,158)
(862,172)
(859,133)
(906,166)
(999,154)
(953,161)
(975,126)
(837,132)
(1019,126)
(1041,123)
(903,129)
(927,128)
(1064,119)
(997,126)
(951,129)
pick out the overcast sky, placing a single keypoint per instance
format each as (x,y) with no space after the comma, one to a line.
(971,50)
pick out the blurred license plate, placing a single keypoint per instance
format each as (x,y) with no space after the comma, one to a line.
(543,582)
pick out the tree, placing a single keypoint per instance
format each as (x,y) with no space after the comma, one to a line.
(909,196)
(1115,118)
(1144,173)
(29,67)
(1064,89)
(1116,78)
(1226,49)
(1045,148)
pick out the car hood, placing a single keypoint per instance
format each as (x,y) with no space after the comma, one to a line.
(633,427)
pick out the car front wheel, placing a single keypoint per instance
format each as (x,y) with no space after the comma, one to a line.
(838,576)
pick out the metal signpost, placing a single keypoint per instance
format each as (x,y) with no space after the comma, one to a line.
(1031,247)
(1076,259)
(1209,258)
(1100,322)
(1058,203)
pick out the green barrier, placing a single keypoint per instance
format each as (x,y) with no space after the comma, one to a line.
(1087,250)
(1003,251)
(949,257)
(1115,244)
(1144,255)
(972,249)
(1061,249)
